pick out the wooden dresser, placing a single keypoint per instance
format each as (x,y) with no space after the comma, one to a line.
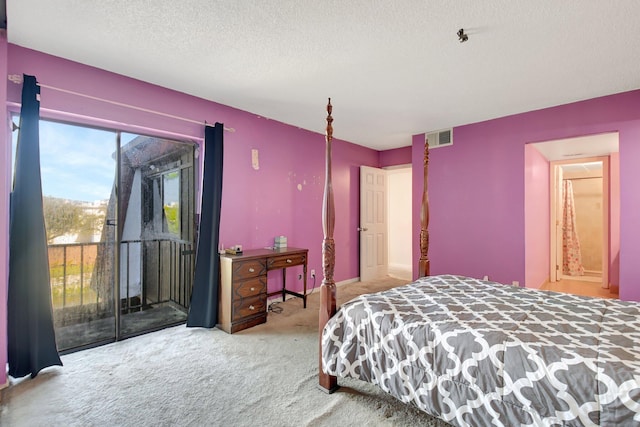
(243,285)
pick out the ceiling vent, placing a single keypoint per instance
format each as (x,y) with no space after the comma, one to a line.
(440,138)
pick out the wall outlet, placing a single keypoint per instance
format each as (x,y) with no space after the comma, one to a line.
(515,283)
(313,273)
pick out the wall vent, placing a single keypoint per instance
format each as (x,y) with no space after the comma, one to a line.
(440,138)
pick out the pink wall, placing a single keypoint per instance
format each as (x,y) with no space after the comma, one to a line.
(477,196)
(396,156)
(629,209)
(282,197)
(477,205)
(536,217)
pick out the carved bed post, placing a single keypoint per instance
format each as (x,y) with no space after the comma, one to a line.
(424,266)
(327,383)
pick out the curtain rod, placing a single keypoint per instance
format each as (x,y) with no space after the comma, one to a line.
(111,124)
(17,79)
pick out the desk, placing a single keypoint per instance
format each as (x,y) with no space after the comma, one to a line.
(243,284)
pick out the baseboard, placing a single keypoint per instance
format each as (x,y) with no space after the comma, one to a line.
(315,289)
(348,281)
(3,386)
(582,278)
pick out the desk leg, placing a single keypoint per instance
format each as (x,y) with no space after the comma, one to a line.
(284,284)
(304,289)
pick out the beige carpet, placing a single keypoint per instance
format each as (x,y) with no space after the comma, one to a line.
(266,375)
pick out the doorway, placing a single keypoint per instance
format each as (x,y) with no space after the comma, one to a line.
(543,221)
(119,216)
(583,211)
(399,202)
(155,205)
(580,212)
(385,222)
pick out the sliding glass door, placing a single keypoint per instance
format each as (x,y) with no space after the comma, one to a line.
(78,172)
(119,214)
(157,251)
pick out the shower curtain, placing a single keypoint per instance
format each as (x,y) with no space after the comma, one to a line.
(571,259)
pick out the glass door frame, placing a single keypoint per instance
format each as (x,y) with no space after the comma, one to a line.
(115,293)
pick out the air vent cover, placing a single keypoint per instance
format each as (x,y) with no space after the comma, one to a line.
(440,138)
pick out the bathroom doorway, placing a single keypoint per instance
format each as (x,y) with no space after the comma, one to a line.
(579,204)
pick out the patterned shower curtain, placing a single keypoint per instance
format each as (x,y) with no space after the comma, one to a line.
(572,259)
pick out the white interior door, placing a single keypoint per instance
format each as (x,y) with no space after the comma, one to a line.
(373,223)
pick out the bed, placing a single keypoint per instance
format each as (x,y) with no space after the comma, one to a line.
(474,352)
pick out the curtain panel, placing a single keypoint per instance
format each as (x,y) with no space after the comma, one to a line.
(31,336)
(203,309)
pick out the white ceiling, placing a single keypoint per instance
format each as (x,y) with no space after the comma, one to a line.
(392,68)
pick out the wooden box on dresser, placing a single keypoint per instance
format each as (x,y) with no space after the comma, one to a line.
(243,292)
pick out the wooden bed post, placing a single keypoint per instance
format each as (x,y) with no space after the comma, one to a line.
(327,383)
(424,265)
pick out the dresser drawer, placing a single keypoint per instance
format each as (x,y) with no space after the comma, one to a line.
(249,306)
(243,285)
(249,268)
(249,288)
(286,261)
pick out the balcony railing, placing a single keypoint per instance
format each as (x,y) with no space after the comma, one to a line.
(82,279)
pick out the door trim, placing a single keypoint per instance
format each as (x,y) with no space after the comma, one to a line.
(556,193)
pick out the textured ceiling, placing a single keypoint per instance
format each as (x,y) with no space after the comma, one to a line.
(392,68)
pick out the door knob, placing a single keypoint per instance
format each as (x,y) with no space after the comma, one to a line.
(362,228)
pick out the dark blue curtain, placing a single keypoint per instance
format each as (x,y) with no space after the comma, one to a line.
(203,310)
(32,342)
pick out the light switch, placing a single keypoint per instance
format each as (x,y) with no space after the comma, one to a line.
(255,163)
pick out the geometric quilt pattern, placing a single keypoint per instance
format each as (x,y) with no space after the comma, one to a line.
(479,353)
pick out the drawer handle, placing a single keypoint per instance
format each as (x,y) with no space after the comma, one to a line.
(251,307)
(253,289)
(289,261)
(251,270)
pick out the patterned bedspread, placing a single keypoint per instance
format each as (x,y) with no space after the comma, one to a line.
(477,353)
